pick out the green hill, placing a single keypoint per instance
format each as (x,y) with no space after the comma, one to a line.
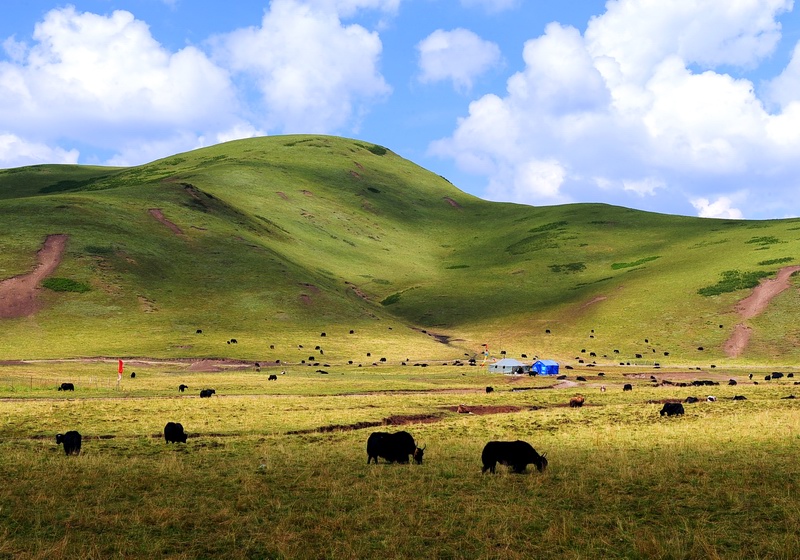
(274,241)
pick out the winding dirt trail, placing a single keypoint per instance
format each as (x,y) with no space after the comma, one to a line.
(18,294)
(755,304)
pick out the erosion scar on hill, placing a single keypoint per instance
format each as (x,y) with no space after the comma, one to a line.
(159,215)
(18,294)
(755,304)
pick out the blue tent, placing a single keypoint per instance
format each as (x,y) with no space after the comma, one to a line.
(546,367)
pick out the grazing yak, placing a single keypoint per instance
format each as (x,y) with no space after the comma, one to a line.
(577,401)
(206,393)
(173,433)
(740,398)
(394,447)
(489,389)
(66,387)
(71,441)
(580,378)
(133,375)
(515,454)
(627,387)
(672,409)
(272,377)
(691,400)
(182,387)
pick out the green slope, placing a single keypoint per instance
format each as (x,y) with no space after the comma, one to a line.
(283,238)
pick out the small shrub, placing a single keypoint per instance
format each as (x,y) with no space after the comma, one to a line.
(765,240)
(617,266)
(390,300)
(65,285)
(733,280)
(568,267)
(377,150)
(548,227)
(776,261)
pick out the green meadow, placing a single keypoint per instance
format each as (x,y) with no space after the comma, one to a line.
(277,469)
(365,278)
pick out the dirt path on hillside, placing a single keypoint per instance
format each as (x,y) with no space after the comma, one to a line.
(18,294)
(159,215)
(755,304)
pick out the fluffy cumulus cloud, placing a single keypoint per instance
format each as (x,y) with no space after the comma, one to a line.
(641,105)
(104,79)
(16,152)
(459,55)
(314,73)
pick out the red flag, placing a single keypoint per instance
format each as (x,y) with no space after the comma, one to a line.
(119,369)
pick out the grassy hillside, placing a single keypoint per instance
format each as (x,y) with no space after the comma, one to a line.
(276,240)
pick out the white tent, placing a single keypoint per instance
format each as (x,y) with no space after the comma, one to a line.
(509,365)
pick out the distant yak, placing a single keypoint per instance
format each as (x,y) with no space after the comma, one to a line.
(173,433)
(515,454)
(71,441)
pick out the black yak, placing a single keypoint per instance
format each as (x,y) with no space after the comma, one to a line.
(394,447)
(66,387)
(272,377)
(206,393)
(182,387)
(672,409)
(71,441)
(627,387)
(489,389)
(173,433)
(515,454)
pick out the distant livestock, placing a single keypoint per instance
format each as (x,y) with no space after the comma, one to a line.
(133,375)
(731,382)
(173,433)
(672,409)
(740,398)
(577,402)
(489,389)
(206,393)
(515,454)
(580,378)
(71,441)
(711,398)
(182,387)
(272,377)
(627,387)
(66,387)
(393,447)
(691,400)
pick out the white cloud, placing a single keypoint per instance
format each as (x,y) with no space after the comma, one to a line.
(492,6)
(16,152)
(314,74)
(639,34)
(104,80)
(459,55)
(720,208)
(623,110)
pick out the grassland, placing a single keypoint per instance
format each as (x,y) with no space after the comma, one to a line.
(321,253)
(282,238)
(257,479)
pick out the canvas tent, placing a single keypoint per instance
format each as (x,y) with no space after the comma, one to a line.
(545,367)
(509,365)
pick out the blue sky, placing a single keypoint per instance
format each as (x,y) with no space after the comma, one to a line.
(687,107)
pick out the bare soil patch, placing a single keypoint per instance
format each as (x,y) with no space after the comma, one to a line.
(452,202)
(481,409)
(755,304)
(159,215)
(399,420)
(18,295)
